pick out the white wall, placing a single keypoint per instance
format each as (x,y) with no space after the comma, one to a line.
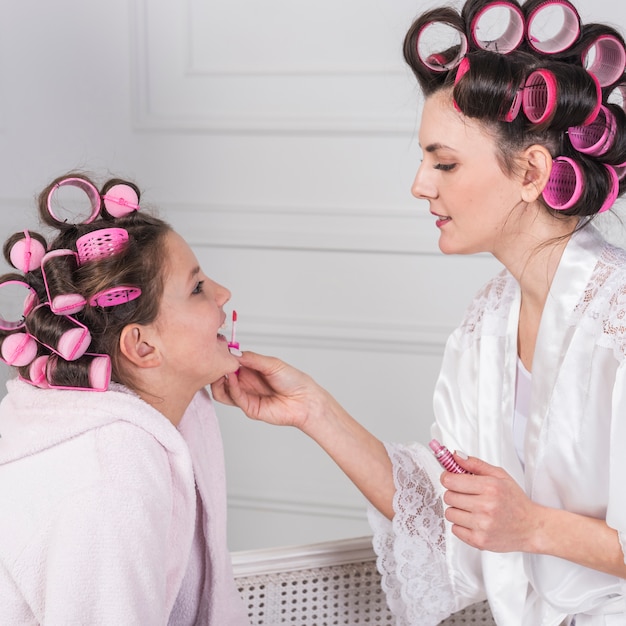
(279,138)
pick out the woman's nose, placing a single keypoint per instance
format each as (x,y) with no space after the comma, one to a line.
(422,187)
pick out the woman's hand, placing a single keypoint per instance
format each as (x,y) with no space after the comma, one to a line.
(270,390)
(488,509)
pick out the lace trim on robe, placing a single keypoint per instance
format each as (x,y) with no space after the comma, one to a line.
(411,549)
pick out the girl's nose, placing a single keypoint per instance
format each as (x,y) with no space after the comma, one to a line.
(223,294)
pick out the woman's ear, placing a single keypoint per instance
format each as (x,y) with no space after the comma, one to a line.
(137,347)
(537,165)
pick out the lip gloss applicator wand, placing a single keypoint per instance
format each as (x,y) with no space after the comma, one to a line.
(233,344)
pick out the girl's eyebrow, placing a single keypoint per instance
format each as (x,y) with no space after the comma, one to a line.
(194,272)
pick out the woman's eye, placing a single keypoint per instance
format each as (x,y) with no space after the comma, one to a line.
(198,288)
(445,167)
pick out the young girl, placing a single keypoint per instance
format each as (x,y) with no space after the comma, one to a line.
(111,466)
(523,146)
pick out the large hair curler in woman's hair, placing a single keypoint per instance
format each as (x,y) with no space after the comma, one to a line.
(565,185)
(496,26)
(541,18)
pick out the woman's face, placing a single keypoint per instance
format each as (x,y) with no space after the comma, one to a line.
(460,176)
(189,320)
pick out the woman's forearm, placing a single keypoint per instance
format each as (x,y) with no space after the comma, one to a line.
(361,456)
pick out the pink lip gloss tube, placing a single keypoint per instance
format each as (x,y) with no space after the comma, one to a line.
(445,458)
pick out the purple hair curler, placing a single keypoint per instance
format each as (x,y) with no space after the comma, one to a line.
(99,244)
(540,26)
(539,96)
(63,303)
(26,253)
(486,27)
(18,349)
(605,58)
(115,296)
(565,185)
(447,36)
(596,138)
(92,194)
(613,191)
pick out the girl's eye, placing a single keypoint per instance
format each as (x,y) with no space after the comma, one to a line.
(445,167)
(198,288)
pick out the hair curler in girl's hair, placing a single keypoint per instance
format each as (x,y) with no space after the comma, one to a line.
(63,334)
(100,244)
(30,300)
(605,58)
(565,185)
(93,195)
(485,26)
(25,250)
(114,296)
(55,267)
(96,376)
(540,18)
(18,349)
(596,138)
(120,199)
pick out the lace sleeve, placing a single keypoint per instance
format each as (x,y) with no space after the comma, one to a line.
(411,549)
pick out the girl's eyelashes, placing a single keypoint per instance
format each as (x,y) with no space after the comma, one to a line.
(445,167)
(198,288)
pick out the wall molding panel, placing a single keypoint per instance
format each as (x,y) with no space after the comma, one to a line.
(187,79)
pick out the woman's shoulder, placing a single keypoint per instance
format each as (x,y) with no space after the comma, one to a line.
(489,309)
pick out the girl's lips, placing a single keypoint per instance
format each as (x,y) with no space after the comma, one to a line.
(441,220)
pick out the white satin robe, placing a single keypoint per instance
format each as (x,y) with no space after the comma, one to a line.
(574,451)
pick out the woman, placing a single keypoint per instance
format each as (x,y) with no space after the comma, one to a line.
(533,382)
(111,464)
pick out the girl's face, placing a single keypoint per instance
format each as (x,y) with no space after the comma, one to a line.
(189,320)
(469,194)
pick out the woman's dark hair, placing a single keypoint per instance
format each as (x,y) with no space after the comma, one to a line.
(139,263)
(492,81)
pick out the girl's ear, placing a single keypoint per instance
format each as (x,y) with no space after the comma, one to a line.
(137,346)
(537,164)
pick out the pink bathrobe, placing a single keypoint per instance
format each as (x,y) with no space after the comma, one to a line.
(98,512)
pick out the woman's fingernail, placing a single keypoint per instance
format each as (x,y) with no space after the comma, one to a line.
(462,455)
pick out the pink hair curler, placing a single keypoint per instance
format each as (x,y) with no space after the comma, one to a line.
(115,296)
(121,200)
(486,27)
(620,170)
(565,185)
(63,303)
(30,301)
(539,96)
(18,349)
(92,194)
(596,138)
(100,244)
(613,191)
(26,253)
(99,373)
(516,105)
(462,69)
(71,343)
(447,36)
(37,372)
(540,26)
(605,58)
